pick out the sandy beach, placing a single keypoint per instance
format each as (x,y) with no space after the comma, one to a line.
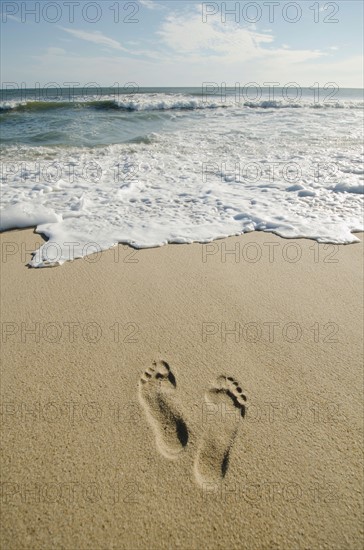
(189,396)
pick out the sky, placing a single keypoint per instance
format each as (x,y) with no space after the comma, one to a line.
(181,43)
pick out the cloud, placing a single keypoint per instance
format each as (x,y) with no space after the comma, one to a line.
(224,42)
(150,5)
(192,36)
(96,37)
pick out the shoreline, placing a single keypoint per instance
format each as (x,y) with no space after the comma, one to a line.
(89,460)
(101,251)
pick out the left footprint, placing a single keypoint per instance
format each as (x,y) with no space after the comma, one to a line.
(157,386)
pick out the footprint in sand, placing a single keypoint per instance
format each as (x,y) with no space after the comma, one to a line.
(156,392)
(224,408)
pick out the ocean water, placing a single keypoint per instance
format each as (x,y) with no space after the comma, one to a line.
(154,166)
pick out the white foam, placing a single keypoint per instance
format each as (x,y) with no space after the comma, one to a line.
(11,104)
(166,102)
(28,214)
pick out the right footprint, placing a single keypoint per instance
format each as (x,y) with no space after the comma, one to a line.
(224,408)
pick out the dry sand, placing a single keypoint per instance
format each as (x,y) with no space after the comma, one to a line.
(98,455)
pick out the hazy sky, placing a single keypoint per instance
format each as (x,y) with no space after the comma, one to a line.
(182,43)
